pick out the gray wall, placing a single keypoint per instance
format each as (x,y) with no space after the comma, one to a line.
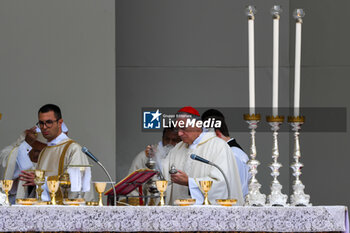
(178,53)
(60,52)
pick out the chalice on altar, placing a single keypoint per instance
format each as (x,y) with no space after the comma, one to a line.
(65,184)
(53,184)
(39,180)
(100,188)
(6,186)
(205,186)
(161,186)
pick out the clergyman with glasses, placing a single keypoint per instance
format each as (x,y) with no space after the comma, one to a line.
(22,155)
(60,153)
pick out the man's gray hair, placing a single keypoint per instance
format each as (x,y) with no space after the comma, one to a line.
(187,115)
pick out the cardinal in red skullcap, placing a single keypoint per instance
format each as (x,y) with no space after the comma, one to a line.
(206,144)
(190,110)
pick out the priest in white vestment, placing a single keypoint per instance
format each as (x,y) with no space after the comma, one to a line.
(207,145)
(60,153)
(240,156)
(20,156)
(159,153)
(8,160)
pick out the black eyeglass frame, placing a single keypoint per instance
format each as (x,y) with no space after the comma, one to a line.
(48,123)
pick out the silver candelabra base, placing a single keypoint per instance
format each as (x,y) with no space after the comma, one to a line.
(254,197)
(298,198)
(276,197)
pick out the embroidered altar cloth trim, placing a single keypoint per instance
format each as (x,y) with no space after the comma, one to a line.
(172,218)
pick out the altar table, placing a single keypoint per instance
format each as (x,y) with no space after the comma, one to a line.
(173,218)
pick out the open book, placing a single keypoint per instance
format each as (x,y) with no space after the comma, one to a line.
(134,180)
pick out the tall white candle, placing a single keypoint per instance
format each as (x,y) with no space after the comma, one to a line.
(275,67)
(298,14)
(251,67)
(250,12)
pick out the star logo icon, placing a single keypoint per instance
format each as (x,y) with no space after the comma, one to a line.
(156,115)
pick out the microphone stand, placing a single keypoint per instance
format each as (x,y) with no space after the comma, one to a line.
(200,159)
(226,180)
(89,154)
(112,183)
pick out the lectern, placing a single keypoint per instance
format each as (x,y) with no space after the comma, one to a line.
(133,181)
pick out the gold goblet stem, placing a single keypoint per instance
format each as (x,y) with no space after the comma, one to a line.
(53,199)
(206,200)
(7,202)
(39,191)
(100,203)
(161,201)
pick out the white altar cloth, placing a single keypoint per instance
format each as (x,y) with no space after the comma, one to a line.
(173,218)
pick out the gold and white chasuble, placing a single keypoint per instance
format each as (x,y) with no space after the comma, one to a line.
(55,160)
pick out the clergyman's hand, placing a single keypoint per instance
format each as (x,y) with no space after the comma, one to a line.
(180,178)
(150,150)
(28,178)
(31,135)
(34,155)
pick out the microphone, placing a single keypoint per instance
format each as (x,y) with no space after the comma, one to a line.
(200,159)
(91,156)
(88,153)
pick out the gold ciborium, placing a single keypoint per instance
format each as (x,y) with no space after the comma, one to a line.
(39,180)
(100,188)
(161,186)
(6,186)
(53,184)
(205,186)
(65,184)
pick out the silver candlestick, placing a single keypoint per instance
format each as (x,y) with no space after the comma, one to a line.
(150,187)
(298,198)
(254,197)
(276,198)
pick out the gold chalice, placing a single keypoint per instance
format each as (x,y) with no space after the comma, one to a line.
(226,202)
(161,186)
(53,184)
(65,184)
(6,186)
(205,186)
(100,188)
(39,180)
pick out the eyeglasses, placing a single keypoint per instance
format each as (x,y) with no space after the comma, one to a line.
(48,123)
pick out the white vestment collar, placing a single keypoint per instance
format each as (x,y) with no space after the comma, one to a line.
(58,139)
(199,138)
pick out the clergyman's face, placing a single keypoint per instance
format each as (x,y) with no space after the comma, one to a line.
(188,134)
(52,131)
(170,138)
